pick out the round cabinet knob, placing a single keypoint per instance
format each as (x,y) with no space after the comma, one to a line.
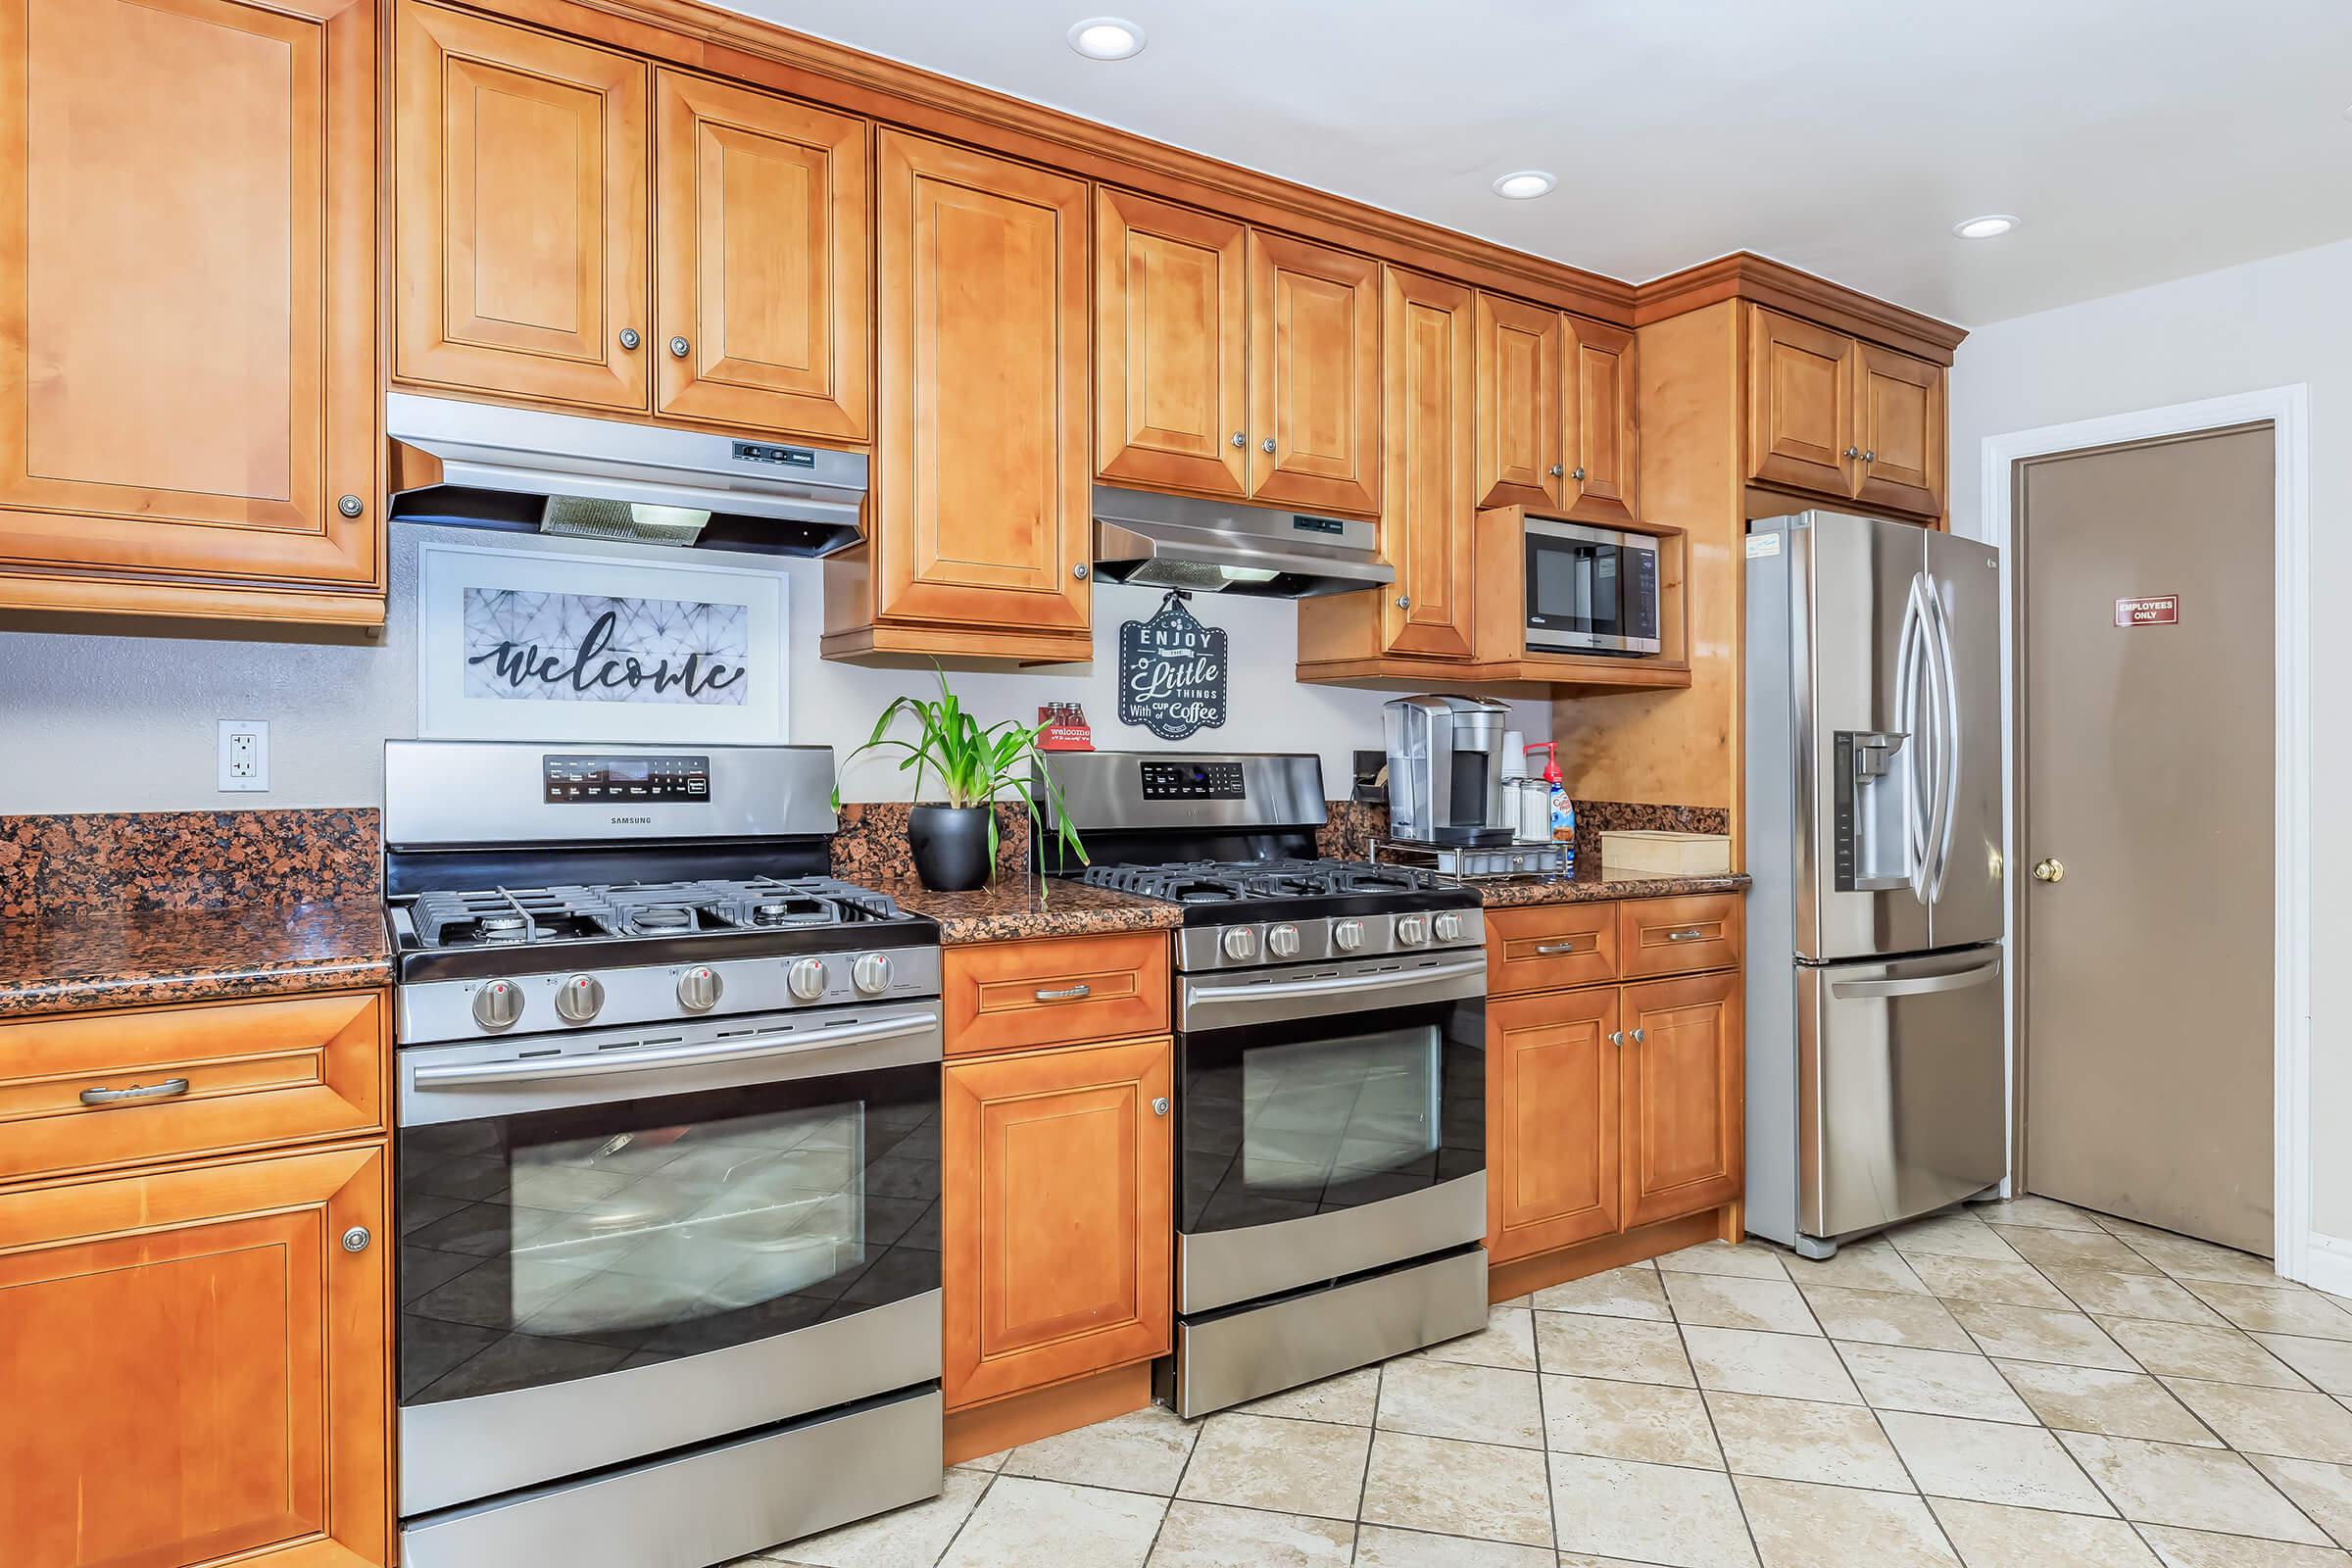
(350,505)
(1404,601)
(1555,471)
(2049,870)
(356,1239)
(1852,452)
(807,979)
(1450,928)
(1239,440)
(871,975)
(680,347)
(1282,941)
(1267,445)
(580,998)
(1412,930)
(498,1003)
(1079,571)
(1578,475)
(629,338)
(1870,455)
(1347,935)
(1241,943)
(700,988)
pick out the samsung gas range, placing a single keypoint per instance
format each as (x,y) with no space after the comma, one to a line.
(1331,1052)
(667,1162)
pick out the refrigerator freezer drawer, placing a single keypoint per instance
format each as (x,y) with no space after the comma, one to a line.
(1900,1102)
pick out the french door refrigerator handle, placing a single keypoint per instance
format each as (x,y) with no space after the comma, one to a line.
(750,1047)
(1955,738)
(1909,675)
(1918,986)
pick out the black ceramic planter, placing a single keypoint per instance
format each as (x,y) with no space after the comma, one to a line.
(951,846)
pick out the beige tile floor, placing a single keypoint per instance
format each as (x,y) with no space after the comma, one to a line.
(2019,1386)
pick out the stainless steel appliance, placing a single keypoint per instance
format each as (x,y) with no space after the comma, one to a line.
(1446,764)
(1163,541)
(1589,590)
(1331,1064)
(486,465)
(668,1162)
(1875,1071)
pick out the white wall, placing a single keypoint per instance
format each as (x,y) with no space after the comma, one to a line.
(112,723)
(2268,323)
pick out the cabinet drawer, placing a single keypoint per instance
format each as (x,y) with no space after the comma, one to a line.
(256,1073)
(1003,996)
(1678,936)
(1549,947)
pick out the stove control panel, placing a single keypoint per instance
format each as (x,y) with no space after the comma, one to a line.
(1192,781)
(1246,944)
(603,779)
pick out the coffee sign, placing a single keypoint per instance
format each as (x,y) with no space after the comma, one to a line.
(1172,671)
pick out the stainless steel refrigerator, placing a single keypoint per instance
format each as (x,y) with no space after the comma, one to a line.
(1875,1076)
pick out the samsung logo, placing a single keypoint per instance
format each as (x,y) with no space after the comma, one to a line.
(625,821)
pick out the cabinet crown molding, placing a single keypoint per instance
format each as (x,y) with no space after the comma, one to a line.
(1746,276)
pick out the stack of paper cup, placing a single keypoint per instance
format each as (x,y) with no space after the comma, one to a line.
(1514,754)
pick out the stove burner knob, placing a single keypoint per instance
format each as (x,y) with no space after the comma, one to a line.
(699,989)
(871,975)
(1241,942)
(806,978)
(1282,941)
(1412,930)
(498,1003)
(1347,935)
(580,998)
(1449,928)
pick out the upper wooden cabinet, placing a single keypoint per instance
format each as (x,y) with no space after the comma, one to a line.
(762,270)
(1170,347)
(1314,377)
(1833,415)
(571,226)
(982,532)
(188,384)
(522,197)
(1604,439)
(1557,429)
(1427,388)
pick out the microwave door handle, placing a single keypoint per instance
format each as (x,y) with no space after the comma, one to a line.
(750,1047)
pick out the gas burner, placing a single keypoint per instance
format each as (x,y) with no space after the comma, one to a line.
(500,925)
(662,917)
(792,911)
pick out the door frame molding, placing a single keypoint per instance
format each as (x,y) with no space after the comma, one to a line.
(2325,1261)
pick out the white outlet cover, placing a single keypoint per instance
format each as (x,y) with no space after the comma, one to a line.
(244,755)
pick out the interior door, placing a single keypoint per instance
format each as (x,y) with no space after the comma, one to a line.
(1519,421)
(1800,402)
(520,209)
(1898,424)
(1314,377)
(1603,434)
(2146,775)
(1553,1071)
(763,238)
(187,260)
(1170,292)
(1426,512)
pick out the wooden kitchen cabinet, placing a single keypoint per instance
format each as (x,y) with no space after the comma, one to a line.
(1314,377)
(1899,425)
(1519,421)
(1833,415)
(1058,1214)
(1603,435)
(195,1364)
(1554,1060)
(1172,293)
(982,527)
(1682,1097)
(1428,390)
(188,383)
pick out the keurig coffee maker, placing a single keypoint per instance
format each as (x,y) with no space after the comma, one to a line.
(1446,770)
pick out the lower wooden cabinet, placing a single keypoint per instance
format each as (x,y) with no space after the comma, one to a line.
(194,1365)
(1058,1213)
(1552,1069)
(1682,1096)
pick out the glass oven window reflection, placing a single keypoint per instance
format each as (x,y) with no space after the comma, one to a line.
(556,1244)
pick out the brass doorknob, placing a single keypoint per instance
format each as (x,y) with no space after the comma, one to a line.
(2049,870)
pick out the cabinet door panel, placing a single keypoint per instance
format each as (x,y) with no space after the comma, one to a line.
(1519,428)
(1801,396)
(1170,289)
(194,1367)
(1425,520)
(1552,1103)
(1899,425)
(1603,432)
(188,241)
(982,509)
(762,238)
(520,208)
(1059,1212)
(1314,377)
(1682,1096)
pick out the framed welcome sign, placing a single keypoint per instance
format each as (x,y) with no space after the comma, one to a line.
(540,645)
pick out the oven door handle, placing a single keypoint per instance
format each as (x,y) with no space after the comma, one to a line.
(750,1047)
(1337,983)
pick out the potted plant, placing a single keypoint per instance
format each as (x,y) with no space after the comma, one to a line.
(955,844)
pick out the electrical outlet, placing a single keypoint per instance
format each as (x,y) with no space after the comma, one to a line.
(244,754)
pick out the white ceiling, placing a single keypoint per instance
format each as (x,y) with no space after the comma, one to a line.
(2137,139)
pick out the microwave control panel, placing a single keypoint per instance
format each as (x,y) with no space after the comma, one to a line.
(1192,781)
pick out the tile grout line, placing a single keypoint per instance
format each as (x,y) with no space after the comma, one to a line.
(1683,1339)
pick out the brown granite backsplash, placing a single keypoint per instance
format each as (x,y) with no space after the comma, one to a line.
(1596,818)
(132,860)
(1352,825)
(871,846)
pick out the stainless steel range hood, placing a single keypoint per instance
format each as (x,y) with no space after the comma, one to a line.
(487,465)
(1224,547)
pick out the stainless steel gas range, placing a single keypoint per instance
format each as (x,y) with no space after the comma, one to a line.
(668,1160)
(1330,1063)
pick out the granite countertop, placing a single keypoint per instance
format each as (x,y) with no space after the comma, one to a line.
(1590,885)
(149,957)
(1014,907)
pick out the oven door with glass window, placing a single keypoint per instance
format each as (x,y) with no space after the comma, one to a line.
(617,1242)
(1589,590)
(1333,1120)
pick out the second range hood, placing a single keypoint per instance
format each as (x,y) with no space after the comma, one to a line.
(488,465)
(1159,541)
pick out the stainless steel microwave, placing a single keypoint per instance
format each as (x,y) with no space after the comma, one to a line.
(1591,590)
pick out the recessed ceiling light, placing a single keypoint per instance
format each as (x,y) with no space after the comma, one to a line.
(1525,185)
(1106,39)
(1991,226)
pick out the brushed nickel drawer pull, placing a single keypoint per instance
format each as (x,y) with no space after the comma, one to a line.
(166,1089)
(1549,949)
(1687,934)
(1066,994)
